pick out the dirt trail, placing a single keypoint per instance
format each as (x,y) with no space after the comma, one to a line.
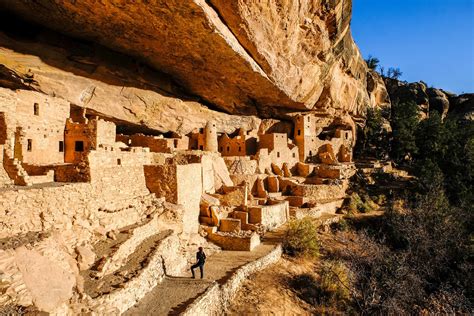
(174,294)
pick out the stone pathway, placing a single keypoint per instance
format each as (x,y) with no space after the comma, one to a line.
(174,294)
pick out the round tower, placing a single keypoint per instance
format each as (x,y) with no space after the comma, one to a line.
(210,137)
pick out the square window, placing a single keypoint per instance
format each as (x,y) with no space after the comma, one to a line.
(79,146)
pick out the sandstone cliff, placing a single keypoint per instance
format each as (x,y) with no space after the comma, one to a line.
(260,58)
(431,99)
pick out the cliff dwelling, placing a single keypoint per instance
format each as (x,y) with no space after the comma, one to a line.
(133,134)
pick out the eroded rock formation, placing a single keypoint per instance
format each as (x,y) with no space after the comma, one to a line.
(431,99)
(245,57)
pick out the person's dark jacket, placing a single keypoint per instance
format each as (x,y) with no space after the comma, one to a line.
(201,257)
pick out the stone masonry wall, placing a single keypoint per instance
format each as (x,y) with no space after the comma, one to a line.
(218,297)
(179,184)
(34,125)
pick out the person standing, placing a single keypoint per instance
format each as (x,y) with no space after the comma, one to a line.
(200,261)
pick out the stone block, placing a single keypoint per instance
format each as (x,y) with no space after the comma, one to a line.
(286,170)
(304,169)
(260,188)
(277,170)
(85,257)
(242,216)
(205,211)
(230,225)
(234,196)
(296,201)
(216,215)
(270,216)
(209,200)
(273,184)
(210,229)
(236,243)
(206,220)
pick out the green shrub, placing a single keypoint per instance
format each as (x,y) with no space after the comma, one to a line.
(341,225)
(334,283)
(361,205)
(328,291)
(301,239)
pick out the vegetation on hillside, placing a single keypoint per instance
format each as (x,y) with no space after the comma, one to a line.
(301,239)
(417,258)
(372,62)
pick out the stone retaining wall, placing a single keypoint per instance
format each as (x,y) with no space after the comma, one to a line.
(217,297)
(236,243)
(165,260)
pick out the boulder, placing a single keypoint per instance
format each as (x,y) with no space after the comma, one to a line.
(85,257)
(49,285)
(438,101)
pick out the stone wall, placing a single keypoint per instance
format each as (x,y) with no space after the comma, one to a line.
(318,210)
(34,125)
(235,243)
(165,259)
(4,178)
(179,184)
(240,145)
(58,206)
(155,143)
(270,216)
(241,165)
(189,195)
(217,298)
(320,191)
(104,132)
(277,157)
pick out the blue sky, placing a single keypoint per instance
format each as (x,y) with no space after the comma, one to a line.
(429,40)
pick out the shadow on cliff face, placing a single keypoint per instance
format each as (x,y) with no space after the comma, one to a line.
(81,58)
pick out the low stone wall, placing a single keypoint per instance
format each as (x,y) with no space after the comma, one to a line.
(236,243)
(270,216)
(218,297)
(318,210)
(165,260)
(139,234)
(241,165)
(320,191)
